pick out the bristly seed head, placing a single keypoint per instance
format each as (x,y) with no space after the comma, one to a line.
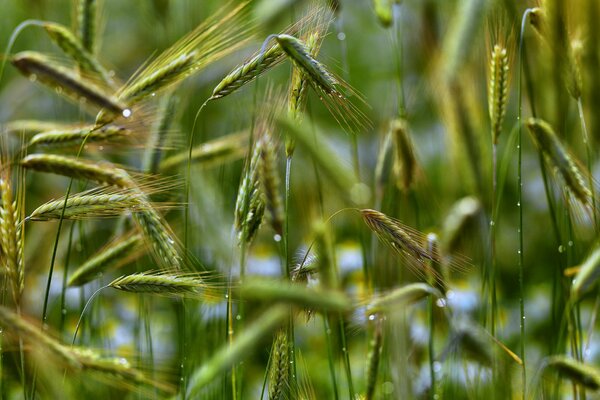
(498,89)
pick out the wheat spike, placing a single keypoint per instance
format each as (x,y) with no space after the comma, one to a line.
(116,253)
(279,367)
(76,136)
(40,68)
(165,283)
(498,89)
(75,49)
(560,159)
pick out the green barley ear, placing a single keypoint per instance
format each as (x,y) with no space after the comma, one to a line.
(162,283)
(102,173)
(40,68)
(326,260)
(87,23)
(384,12)
(298,90)
(560,45)
(106,134)
(272,291)
(269,321)
(587,275)
(406,242)
(220,35)
(11,235)
(161,133)
(266,59)
(374,356)
(331,90)
(101,202)
(405,160)
(115,371)
(390,302)
(28,127)
(250,204)
(248,71)
(269,178)
(464,26)
(464,217)
(213,153)
(585,375)
(116,253)
(498,89)
(562,162)
(74,48)
(278,366)
(156,230)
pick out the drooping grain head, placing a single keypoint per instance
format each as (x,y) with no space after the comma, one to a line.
(75,137)
(574,176)
(103,173)
(113,255)
(405,160)
(406,242)
(587,276)
(464,217)
(75,49)
(390,302)
(215,152)
(220,35)
(248,71)
(38,67)
(269,177)
(250,203)
(585,375)
(384,12)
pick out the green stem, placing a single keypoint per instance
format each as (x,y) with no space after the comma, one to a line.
(188,177)
(520,207)
(330,356)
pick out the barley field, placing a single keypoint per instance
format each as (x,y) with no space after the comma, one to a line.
(299,199)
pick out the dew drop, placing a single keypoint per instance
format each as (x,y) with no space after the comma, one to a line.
(100,148)
(570,243)
(58,90)
(518,251)
(561,249)
(492,223)
(437,366)
(238,317)
(126,113)
(441,303)
(518,204)
(341,36)
(372,317)
(226,296)
(64,311)
(32,77)
(277,237)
